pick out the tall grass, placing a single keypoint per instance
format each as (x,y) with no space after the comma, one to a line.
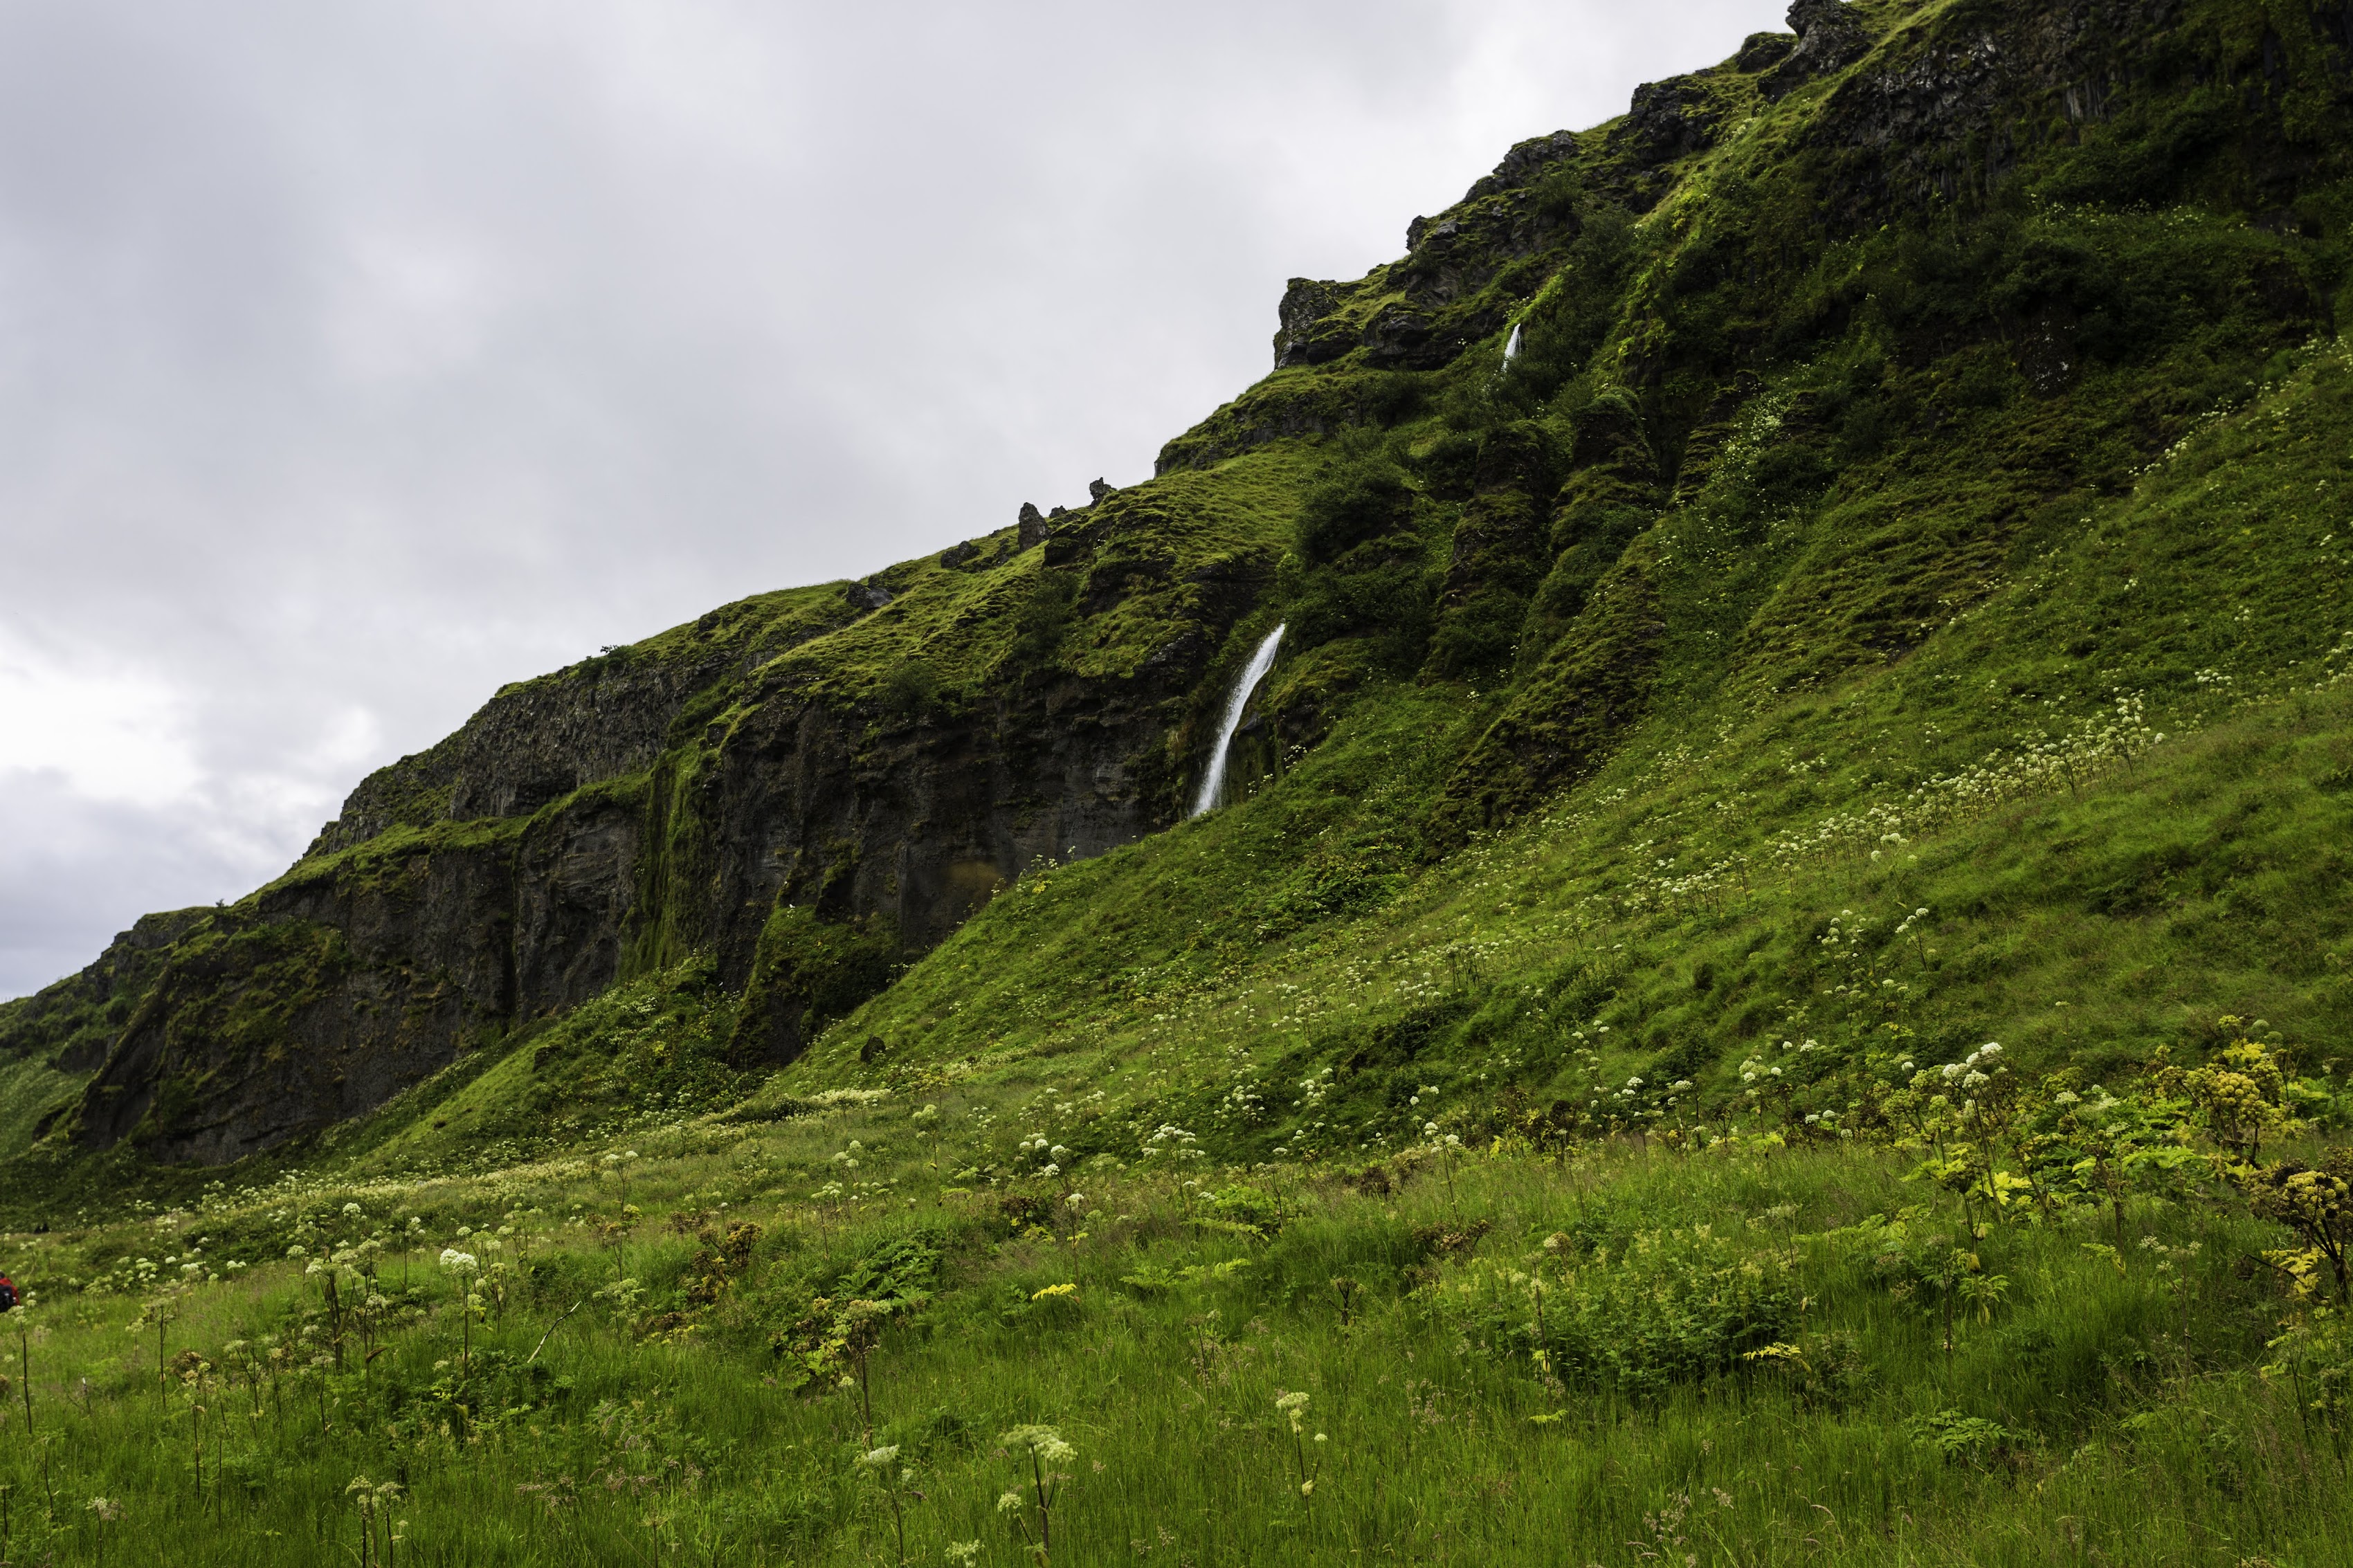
(2106,1405)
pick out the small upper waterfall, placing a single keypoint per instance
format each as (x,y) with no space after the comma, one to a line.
(1213,782)
(1512,349)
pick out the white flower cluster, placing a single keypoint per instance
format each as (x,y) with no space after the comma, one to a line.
(1169,1138)
(2103,739)
(1970,1072)
(832,1098)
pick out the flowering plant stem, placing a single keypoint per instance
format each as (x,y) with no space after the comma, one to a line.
(1045,1508)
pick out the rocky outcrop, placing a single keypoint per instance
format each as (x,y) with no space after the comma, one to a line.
(1831,38)
(1401,337)
(1308,333)
(1763,51)
(1940,113)
(538,741)
(1286,408)
(1457,256)
(692,795)
(1669,120)
(1449,260)
(71,1024)
(1526,163)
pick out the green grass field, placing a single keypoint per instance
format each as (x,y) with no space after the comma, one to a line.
(1759,1351)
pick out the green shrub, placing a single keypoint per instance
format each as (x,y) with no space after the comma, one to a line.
(1638,1314)
(1353,507)
(1043,618)
(911,690)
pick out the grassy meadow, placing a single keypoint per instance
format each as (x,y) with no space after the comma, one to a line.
(1857,1346)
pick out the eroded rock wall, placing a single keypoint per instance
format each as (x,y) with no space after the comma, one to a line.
(671,800)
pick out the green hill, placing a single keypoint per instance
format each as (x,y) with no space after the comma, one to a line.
(1840,566)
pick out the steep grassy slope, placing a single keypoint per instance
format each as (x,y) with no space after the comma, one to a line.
(2115,784)
(1902,635)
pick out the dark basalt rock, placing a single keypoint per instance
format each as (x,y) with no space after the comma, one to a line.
(1069,545)
(1522,165)
(1306,336)
(1762,51)
(1402,338)
(1936,119)
(1273,411)
(1670,120)
(1032,524)
(867,595)
(74,1021)
(329,994)
(532,744)
(1399,337)
(1451,259)
(1455,258)
(1831,38)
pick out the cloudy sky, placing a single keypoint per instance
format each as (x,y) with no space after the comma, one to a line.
(355,358)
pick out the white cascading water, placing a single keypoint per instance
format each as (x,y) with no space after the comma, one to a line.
(1512,349)
(1213,782)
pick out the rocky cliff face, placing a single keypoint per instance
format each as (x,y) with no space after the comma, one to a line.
(875,759)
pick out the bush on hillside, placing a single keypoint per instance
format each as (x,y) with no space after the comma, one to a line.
(1353,507)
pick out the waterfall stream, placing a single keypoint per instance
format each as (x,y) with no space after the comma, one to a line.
(1213,782)
(1512,349)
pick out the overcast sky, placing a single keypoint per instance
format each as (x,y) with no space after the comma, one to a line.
(356,358)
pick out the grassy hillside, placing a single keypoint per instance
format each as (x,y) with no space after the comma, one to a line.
(1775,986)
(2113,783)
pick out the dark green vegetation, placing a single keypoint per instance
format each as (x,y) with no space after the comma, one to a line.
(1893,595)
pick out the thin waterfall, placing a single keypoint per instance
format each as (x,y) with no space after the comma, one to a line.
(1213,782)
(1512,349)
